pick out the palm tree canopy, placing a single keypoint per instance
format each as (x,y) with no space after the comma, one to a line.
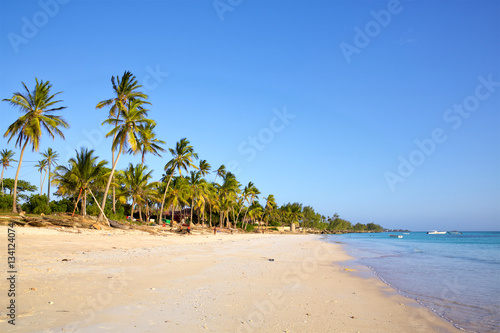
(126,89)
(126,128)
(83,171)
(204,168)
(42,165)
(136,185)
(37,106)
(148,143)
(183,156)
(50,157)
(6,156)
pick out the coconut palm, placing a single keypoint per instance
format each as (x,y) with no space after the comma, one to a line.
(50,159)
(221,172)
(270,206)
(82,173)
(136,186)
(148,143)
(255,213)
(228,194)
(126,89)
(125,133)
(176,196)
(37,106)
(204,168)
(42,168)
(183,156)
(211,198)
(6,157)
(253,194)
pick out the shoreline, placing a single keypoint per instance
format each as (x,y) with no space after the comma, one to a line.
(136,282)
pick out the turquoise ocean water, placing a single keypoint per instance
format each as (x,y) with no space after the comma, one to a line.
(457,276)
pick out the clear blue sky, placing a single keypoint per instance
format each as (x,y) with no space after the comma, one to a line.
(355,83)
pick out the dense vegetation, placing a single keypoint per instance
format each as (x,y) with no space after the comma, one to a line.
(182,193)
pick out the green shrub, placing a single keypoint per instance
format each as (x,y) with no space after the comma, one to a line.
(61,206)
(6,202)
(36,204)
(250,228)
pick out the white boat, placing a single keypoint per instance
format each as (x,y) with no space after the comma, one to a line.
(396,236)
(434,232)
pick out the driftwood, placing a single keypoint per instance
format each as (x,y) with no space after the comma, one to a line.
(115,224)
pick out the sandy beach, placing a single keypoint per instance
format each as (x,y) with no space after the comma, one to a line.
(124,281)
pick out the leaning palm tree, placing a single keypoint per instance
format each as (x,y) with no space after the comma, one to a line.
(42,168)
(183,156)
(83,172)
(37,106)
(6,156)
(221,172)
(126,88)
(125,133)
(50,159)
(148,143)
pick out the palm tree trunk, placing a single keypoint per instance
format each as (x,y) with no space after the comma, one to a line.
(48,183)
(191,218)
(14,196)
(99,218)
(140,212)
(165,194)
(76,203)
(246,211)
(84,203)
(172,215)
(113,161)
(132,210)
(3,168)
(210,207)
(43,182)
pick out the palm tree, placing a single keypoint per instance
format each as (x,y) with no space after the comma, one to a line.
(221,172)
(253,193)
(37,106)
(183,156)
(83,172)
(176,196)
(6,156)
(50,159)
(204,168)
(42,167)
(125,133)
(211,198)
(136,186)
(125,89)
(148,143)
(270,206)
(228,193)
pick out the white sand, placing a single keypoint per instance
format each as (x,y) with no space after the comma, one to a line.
(118,281)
